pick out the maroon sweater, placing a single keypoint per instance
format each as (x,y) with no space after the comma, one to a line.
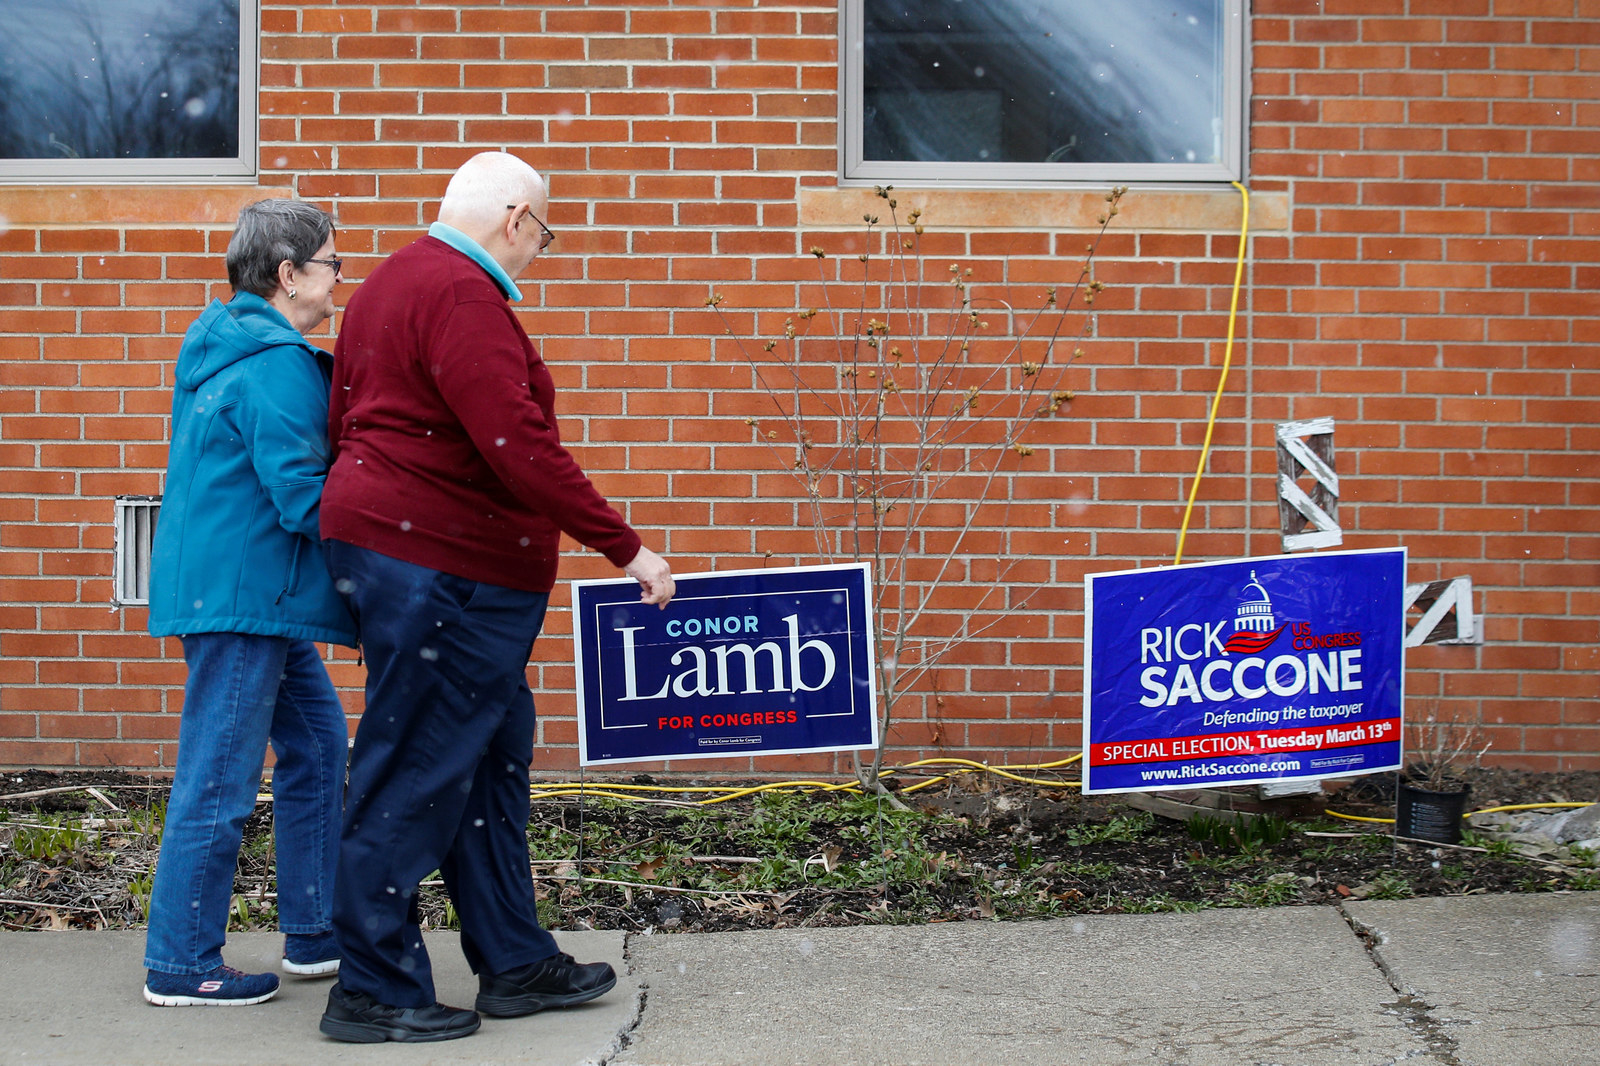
(445,448)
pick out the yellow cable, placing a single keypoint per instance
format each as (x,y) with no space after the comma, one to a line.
(621,792)
(983,766)
(1227,358)
(999,771)
(1469,814)
(723,793)
(1025,780)
(1357,818)
(590,791)
(650,788)
(936,779)
(1527,807)
(811,786)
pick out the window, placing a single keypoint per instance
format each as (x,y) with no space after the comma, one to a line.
(94,90)
(997,91)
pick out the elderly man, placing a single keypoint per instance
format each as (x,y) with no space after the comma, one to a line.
(448,494)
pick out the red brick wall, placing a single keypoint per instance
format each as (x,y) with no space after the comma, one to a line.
(1422,270)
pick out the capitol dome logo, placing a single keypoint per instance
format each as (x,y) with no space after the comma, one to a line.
(1253,631)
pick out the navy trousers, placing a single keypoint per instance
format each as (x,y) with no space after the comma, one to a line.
(438,774)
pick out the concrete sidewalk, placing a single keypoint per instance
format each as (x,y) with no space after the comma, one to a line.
(1475,981)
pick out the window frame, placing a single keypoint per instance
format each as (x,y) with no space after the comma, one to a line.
(856,170)
(244,167)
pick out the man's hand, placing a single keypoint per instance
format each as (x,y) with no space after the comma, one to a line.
(654,577)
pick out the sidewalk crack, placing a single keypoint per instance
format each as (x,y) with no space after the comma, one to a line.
(624,1037)
(1415,1013)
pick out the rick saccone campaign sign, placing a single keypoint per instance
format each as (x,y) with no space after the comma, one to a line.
(746,662)
(1230,673)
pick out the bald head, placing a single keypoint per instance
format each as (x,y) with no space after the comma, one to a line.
(489,199)
(479,192)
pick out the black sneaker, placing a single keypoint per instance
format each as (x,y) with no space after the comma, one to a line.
(559,981)
(357,1018)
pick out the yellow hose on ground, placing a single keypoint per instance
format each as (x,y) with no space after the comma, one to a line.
(724,793)
(630,793)
(1527,807)
(1469,814)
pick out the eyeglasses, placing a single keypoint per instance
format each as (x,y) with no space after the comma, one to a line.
(336,263)
(547,238)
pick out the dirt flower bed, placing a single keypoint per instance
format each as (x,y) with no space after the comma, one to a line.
(79,852)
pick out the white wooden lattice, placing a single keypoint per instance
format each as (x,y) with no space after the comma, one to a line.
(1440,601)
(1308,519)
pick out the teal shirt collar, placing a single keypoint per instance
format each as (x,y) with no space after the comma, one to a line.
(472,249)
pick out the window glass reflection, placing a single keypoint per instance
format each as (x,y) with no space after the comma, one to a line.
(1033,81)
(129,79)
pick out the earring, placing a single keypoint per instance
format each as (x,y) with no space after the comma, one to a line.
(291,294)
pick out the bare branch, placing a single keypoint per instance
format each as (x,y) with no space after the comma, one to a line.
(923,409)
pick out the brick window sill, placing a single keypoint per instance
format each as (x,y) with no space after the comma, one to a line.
(1199,210)
(128,205)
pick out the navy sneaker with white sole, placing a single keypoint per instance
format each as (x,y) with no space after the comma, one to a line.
(310,954)
(222,987)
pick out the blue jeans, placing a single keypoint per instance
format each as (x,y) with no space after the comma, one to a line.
(243,691)
(438,774)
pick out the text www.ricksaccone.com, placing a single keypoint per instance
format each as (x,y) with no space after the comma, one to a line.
(1201,770)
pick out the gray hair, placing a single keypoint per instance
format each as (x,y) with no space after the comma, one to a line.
(267,233)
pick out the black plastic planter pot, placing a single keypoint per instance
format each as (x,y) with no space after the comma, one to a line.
(1429,815)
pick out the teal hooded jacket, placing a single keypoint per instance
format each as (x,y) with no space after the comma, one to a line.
(236,544)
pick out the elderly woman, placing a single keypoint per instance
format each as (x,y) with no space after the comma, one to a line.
(237,573)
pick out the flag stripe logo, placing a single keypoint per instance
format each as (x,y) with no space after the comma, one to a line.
(1251,643)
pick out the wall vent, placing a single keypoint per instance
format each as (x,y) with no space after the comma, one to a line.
(136,527)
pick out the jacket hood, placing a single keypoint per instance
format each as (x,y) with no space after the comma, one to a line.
(228,332)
